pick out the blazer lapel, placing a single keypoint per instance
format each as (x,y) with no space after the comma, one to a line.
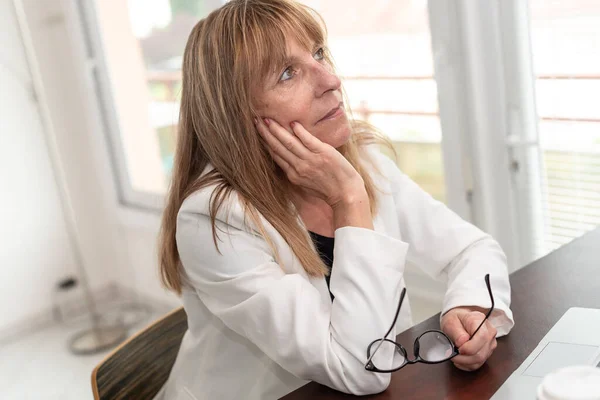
(291,264)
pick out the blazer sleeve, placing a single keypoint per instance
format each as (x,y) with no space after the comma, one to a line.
(284,314)
(449,248)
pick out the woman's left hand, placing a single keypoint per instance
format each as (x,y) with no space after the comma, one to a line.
(459,324)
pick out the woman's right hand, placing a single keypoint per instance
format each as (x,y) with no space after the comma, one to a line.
(314,166)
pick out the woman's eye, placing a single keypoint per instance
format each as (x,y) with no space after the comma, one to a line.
(287,74)
(320,54)
(290,72)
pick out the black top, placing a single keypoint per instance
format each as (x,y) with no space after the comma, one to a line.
(324,246)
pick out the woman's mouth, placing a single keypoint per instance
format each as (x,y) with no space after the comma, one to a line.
(333,113)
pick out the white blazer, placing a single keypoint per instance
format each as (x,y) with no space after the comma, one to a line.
(259,330)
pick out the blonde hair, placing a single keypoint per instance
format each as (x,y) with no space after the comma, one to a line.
(226,53)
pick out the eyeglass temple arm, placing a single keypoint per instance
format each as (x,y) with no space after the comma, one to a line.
(391,327)
(397,313)
(489,287)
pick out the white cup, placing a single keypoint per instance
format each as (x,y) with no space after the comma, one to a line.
(571,383)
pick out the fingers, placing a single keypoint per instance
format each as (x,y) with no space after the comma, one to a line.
(474,362)
(311,142)
(274,145)
(285,166)
(453,327)
(475,352)
(282,142)
(485,335)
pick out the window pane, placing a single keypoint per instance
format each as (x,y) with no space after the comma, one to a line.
(143,48)
(566,56)
(392,93)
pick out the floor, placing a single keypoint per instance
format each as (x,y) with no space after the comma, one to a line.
(39,365)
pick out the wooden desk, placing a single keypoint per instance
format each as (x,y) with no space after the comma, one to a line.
(541,293)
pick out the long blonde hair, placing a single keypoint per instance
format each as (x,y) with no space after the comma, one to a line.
(226,53)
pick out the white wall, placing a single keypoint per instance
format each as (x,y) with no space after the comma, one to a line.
(34,248)
(115,246)
(35,251)
(62,94)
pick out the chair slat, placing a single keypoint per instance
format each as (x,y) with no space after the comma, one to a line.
(141,366)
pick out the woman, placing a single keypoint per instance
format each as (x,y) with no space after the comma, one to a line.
(268,167)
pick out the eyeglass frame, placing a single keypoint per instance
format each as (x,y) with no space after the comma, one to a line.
(369,366)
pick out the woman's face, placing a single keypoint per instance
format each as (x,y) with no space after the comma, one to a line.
(306,91)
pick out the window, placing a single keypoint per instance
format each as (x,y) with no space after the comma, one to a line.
(566,61)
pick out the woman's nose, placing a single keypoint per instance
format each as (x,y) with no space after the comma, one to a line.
(326,80)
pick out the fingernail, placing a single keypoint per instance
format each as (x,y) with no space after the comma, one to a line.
(293,124)
(267,121)
(255,121)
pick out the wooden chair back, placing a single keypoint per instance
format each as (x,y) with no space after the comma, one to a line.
(140,366)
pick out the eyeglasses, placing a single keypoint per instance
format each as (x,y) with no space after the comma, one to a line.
(431,347)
